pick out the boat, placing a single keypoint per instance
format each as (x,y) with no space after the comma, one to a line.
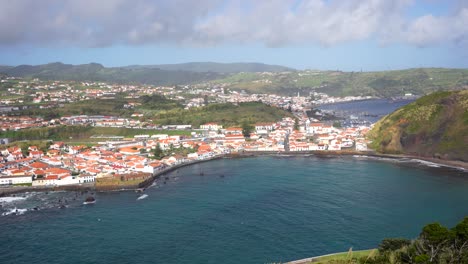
(143,196)
(89,200)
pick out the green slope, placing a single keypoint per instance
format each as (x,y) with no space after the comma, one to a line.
(382,84)
(435,125)
(226,114)
(97,72)
(216,67)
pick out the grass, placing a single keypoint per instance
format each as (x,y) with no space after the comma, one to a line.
(344,256)
(433,124)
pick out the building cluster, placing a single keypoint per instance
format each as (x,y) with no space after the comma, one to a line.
(23,94)
(123,159)
(22,122)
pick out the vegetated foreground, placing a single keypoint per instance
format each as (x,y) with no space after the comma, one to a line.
(435,125)
(435,244)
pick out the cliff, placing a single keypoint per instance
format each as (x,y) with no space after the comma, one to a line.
(435,125)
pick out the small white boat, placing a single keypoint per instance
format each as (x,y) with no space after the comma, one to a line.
(90,200)
(143,196)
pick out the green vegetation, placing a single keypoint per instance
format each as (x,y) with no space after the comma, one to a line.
(252,78)
(225,114)
(81,132)
(346,257)
(382,84)
(435,125)
(97,72)
(435,244)
(148,104)
(215,67)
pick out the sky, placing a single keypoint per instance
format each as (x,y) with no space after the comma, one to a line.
(350,35)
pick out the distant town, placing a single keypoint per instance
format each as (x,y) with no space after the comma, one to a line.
(133,159)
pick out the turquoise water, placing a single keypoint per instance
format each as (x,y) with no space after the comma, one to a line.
(253,210)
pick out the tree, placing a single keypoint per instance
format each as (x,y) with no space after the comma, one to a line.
(434,238)
(296,124)
(391,244)
(158,152)
(246,129)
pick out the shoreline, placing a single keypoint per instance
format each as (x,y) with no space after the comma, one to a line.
(453,164)
(457,165)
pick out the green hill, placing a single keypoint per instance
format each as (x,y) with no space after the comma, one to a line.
(435,125)
(384,84)
(226,114)
(97,72)
(216,67)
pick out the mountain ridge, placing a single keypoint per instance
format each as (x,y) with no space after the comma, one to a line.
(218,67)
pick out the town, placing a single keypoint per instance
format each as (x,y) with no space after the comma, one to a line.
(128,161)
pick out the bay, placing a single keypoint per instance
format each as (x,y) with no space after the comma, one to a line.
(250,210)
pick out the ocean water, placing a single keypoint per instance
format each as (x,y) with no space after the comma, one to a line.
(366,111)
(251,210)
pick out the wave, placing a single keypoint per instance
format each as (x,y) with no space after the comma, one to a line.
(411,160)
(11,199)
(428,163)
(15,211)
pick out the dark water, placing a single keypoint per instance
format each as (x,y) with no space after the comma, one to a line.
(255,210)
(365,112)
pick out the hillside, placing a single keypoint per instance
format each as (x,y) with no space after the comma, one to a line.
(435,125)
(113,107)
(215,67)
(97,72)
(258,78)
(384,84)
(226,114)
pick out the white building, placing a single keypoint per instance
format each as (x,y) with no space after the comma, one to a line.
(11,180)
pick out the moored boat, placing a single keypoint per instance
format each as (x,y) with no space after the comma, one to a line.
(143,196)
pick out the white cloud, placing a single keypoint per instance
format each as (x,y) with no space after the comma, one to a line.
(211,22)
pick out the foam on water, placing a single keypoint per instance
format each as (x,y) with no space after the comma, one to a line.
(11,199)
(14,211)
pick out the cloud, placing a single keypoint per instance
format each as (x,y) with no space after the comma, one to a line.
(429,30)
(91,23)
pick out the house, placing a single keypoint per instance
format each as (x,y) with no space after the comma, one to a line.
(264,128)
(153,167)
(211,126)
(57,145)
(33,148)
(233,131)
(17,179)
(36,154)
(192,156)
(314,128)
(234,138)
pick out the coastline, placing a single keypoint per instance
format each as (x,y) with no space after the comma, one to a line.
(458,165)
(454,164)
